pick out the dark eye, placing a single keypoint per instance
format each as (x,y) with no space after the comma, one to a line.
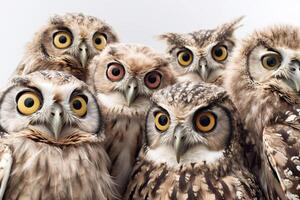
(115,72)
(185,57)
(271,61)
(152,79)
(99,41)
(205,121)
(62,39)
(219,53)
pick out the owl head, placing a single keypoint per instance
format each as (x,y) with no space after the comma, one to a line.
(191,123)
(269,59)
(201,55)
(50,107)
(124,77)
(73,35)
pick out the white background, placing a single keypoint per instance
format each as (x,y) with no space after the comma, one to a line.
(136,21)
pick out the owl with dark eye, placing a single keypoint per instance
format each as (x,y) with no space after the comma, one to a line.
(202,55)
(67,43)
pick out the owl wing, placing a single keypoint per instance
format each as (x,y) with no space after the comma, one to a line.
(282,152)
(5,167)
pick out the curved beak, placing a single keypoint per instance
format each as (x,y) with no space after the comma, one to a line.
(56,121)
(296,78)
(179,145)
(203,69)
(83,54)
(131,91)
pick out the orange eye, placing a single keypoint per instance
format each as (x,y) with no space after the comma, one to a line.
(115,72)
(162,121)
(205,121)
(28,103)
(185,57)
(152,79)
(62,39)
(219,53)
(99,41)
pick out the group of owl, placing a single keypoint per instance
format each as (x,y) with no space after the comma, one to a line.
(85,116)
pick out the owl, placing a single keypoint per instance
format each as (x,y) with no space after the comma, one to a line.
(191,148)
(67,43)
(52,147)
(264,82)
(124,76)
(202,55)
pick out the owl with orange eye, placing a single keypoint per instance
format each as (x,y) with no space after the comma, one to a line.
(191,148)
(67,43)
(124,76)
(202,55)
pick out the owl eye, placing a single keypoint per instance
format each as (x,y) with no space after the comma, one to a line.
(271,61)
(219,53)
(185,57)
(115,72)
(205,121)
(152,79)
(62,39)
(79,105)
(28,103)
(99,41)
(162,121)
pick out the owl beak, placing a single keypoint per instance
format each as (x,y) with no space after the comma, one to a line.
(296,78)
(203,70)
(179,143)
(131,91)
(56,121)
(83,54)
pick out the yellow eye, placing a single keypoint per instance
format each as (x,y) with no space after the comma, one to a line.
(28,103)
(62,40)
(185,58)
(79,106)
(219,53)
(271,61)
(99,41)
(205,121)
(162,121)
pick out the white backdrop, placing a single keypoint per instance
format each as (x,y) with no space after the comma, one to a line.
(136,21)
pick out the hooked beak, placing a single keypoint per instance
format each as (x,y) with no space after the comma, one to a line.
(131,91)
(296,78)
(83,54)
(203,70)
(179,143)
(56,121)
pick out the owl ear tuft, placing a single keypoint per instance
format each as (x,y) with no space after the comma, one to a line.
(229,27)
(170,38)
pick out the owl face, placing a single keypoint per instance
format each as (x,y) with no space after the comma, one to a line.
(126,75)
(274,58)
(189,124)
(201,55)
(52,105)
(74,35)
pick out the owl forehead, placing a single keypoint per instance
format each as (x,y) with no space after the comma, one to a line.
(188,95)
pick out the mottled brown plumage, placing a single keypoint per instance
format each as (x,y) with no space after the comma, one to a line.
(42,53)
(126,99)
(204,64)
(53,152)
(183,161)
(263,80)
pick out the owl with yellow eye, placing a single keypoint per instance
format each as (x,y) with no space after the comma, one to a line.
(52,146)
(67,43)
(192,148)
(202,55)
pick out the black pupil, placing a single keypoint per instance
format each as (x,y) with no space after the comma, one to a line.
(163,120)
(271,61)
(204,121)
(62,39)
(218,52)
(98,41)
(116,71)
(77,105)
(186,56)
(152,78)
(29,102)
